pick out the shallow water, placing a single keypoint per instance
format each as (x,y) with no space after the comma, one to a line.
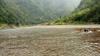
(49,42)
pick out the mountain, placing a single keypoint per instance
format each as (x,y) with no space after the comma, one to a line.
(27,12)
(88,3)
(88,12)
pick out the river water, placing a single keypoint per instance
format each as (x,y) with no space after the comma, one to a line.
(49,42)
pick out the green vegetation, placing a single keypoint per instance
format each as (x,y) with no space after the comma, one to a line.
(30,12)
(88,12)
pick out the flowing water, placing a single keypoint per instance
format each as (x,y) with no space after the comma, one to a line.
(49,42)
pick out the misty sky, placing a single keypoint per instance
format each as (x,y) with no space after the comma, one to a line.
(73,3)
(70,4)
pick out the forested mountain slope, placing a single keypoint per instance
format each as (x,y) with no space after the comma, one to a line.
(27,12)
(88,12)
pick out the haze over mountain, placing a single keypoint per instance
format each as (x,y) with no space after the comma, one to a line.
(34,11)
(88,12)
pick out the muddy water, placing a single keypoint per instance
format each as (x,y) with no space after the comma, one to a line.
(49,42)
(93,39)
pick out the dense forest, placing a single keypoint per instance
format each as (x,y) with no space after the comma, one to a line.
(88,12)
(30,12)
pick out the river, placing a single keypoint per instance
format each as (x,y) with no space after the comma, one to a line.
(49,41)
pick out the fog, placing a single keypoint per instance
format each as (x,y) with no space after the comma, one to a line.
(58,5)
(40,10)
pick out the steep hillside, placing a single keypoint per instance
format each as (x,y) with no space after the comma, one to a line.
(27,12)
(88,3)
(88,12)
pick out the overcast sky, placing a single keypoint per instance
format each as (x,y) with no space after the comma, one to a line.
(72,4)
